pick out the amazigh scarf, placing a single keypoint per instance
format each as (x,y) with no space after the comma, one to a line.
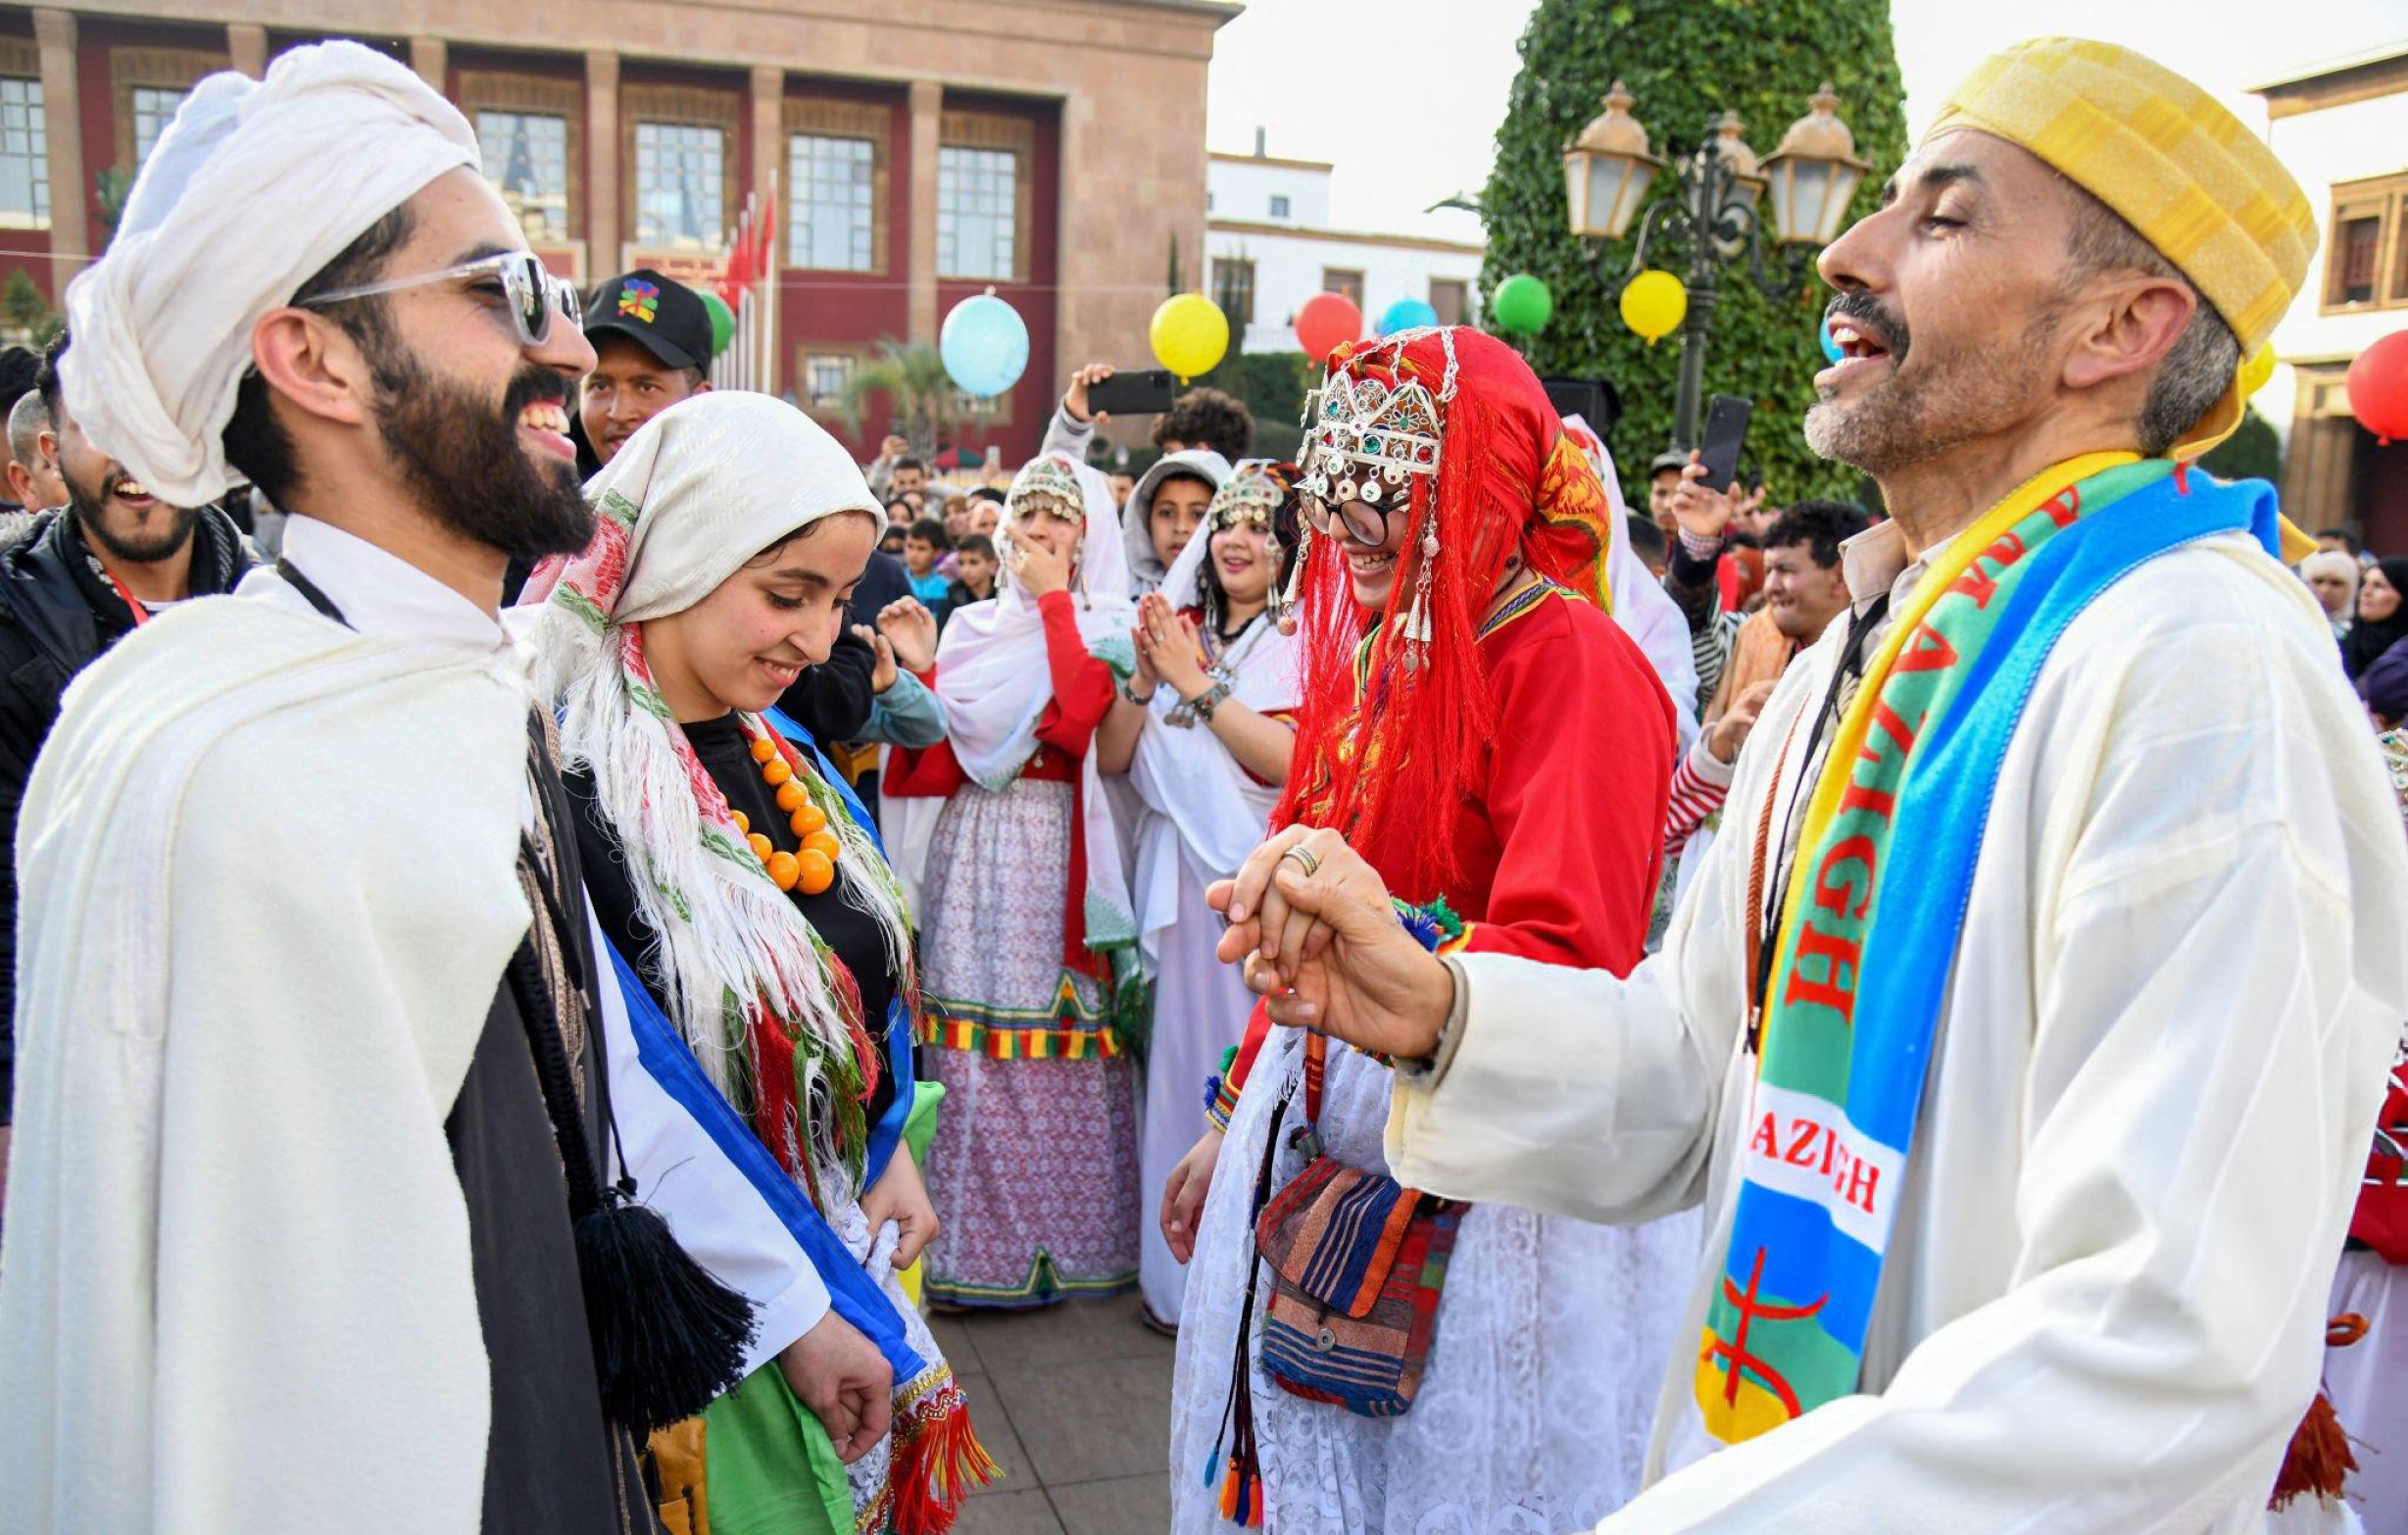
(994,683)
(770,1013)
(1198,793)
(1864,950)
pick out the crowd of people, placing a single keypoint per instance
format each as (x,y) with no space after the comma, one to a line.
(555,915)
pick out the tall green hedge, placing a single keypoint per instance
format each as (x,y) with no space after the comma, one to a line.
(1686,60)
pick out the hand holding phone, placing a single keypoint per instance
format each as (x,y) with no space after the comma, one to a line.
(1726,427)
(1146,392)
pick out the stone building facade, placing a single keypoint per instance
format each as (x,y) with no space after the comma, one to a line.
(906,154)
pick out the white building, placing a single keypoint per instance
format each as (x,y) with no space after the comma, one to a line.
(1270,246)
(2341,128)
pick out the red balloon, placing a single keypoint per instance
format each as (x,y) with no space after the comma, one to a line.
(1326,323)
(2378,387)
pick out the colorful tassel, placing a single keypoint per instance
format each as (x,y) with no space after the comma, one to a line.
(937,1461)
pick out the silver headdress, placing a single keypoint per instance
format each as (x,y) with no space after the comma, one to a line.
(1363,441)
(1050,483)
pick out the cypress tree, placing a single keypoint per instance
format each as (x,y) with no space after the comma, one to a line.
(1686,60)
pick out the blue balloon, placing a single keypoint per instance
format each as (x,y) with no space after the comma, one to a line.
(984,346)
(1830,348)
(1407,314)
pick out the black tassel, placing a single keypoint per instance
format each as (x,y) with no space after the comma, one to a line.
(668,1339)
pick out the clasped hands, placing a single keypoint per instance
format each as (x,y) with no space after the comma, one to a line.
(1311,923)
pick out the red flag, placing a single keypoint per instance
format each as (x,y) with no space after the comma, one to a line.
(743,265)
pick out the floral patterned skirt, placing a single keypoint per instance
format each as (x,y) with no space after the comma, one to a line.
(1034,1170)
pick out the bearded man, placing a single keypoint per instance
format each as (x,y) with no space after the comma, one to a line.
(2025,1032)
(309,1074)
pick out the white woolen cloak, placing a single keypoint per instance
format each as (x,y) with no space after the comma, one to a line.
(2173,1011)
(267,892)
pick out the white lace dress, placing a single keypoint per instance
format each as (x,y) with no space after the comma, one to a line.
(1552,1341)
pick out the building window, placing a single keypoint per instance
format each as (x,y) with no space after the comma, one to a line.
(1336,279)
(825,378)
(1452,298)
(833,224)
(1233,289)
(680,186)
(526,158)
(992,411)
(1279,208)
(25,156)
(2366,258)
(978,200)
(154,108)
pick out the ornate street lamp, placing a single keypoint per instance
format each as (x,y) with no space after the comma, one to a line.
(1608,169)
(1814,175)
(1808,183)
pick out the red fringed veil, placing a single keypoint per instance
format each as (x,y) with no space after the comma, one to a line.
(1509,482)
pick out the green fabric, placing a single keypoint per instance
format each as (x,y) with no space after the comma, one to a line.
(919,1126)
(768,1465)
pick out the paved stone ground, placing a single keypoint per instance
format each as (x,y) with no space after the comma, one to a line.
(1073,1402)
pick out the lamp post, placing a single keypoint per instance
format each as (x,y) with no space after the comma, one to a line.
(1718,218)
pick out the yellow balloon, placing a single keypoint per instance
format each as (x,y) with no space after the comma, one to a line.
(1190,334)
(1654,304)
(2257,370)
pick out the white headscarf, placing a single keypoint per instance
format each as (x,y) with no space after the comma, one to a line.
(994,683)
(697,493)
(254,187)
(1195,788)
(2343,566)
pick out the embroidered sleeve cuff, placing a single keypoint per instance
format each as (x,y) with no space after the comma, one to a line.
(1220,1095)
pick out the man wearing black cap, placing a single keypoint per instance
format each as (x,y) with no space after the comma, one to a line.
(653,337)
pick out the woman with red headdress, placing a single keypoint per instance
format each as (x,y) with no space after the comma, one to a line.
(1499,752)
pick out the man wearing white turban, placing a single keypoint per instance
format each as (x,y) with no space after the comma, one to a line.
(305,1037)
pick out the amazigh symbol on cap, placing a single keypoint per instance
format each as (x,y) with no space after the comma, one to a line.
(640,299)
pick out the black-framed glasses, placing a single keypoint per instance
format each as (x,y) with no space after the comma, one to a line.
(530,291)
(1361,521)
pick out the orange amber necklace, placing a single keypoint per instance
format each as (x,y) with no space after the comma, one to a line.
(815,868)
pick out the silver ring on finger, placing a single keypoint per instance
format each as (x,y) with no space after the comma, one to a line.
(1304,856)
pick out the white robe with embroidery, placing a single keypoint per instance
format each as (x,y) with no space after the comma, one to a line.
(2182,971)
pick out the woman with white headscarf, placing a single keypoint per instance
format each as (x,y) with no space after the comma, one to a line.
(1205,731)
(2333,577)
(760,942)
(1030,940)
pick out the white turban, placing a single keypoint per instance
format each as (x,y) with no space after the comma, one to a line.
(251,189)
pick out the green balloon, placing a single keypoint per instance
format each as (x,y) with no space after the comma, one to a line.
(1523,305)
(722,322)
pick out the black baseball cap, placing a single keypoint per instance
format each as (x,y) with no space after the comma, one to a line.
(1669,459)
(666,316)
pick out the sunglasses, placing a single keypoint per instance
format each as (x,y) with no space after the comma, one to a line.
(529,290)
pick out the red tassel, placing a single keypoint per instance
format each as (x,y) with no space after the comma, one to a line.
(775,1119)
(937,1461)
(2318,1461)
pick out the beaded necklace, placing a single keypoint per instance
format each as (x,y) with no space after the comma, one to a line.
(814,868)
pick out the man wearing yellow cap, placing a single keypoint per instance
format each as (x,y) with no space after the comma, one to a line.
(2025,1032)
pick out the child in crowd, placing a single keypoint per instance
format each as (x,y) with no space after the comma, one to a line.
(923,545)
(892,540)
(902,512)
(974,561)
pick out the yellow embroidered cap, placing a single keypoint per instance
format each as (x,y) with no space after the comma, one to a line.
(2172,160)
